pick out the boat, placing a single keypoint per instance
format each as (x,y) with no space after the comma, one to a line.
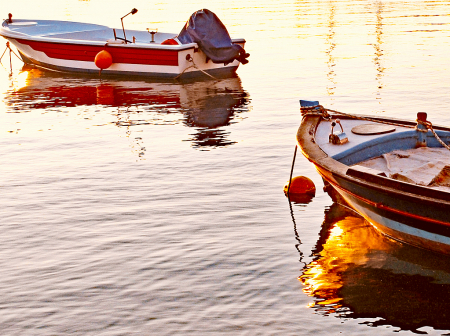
(203,47)
(394,173)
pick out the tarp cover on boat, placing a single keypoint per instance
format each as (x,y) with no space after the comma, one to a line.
(205,29)
(424,166)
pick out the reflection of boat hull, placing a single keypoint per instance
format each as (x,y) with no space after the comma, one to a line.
(352,266)
(407,212)
(415,230)
(390,213)
(206,105)
(74,46)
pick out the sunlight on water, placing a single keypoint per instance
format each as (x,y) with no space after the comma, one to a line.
(356,273)
(141,207)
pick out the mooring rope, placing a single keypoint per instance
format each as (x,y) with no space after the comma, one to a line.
(320,110)
(429,126)
(8,47)
(193,65)
(292,171)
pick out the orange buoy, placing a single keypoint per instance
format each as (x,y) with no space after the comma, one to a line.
(170,41)
(103,60)
(300,185)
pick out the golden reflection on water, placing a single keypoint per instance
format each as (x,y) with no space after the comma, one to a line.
(331,46)
(378,46)
(349,244)
(19,81)
(358,273)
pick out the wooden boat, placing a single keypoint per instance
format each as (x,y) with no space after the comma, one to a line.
(90,48)
(394,173)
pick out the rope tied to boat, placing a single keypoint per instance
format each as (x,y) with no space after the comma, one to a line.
(193,65)
(429,126)
(8,47)
(369,119)
(315,110)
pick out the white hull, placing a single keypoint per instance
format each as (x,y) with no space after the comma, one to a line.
(69,50)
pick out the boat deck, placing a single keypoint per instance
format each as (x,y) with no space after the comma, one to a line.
(354,140)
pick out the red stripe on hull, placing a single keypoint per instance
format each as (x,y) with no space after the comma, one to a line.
(379,205)
(79,52)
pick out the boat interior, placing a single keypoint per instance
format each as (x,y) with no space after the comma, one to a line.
(394,151)
(85,32)
(78,31)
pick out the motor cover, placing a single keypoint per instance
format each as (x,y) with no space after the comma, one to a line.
(211,35)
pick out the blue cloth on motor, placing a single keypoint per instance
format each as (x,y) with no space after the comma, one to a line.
(205,29)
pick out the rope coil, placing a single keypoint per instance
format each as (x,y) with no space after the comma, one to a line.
(426,124)
(429,126)
(315,110)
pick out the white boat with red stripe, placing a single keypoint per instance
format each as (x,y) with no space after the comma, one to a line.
(87,48)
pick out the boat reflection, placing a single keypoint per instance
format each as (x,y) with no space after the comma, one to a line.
(208,106)
(356,273)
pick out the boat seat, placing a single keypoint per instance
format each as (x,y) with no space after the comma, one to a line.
(114,41)
(355,169)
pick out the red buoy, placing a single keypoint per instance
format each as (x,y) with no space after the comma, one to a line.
(300,189)
(170,41)
(103,60)
(300,185)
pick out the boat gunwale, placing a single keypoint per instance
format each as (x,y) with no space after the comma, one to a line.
(61,41)
(6,32)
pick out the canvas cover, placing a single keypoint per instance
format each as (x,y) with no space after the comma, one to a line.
(424,166)
(205,29)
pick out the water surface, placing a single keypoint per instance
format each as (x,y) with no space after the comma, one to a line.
(137,207)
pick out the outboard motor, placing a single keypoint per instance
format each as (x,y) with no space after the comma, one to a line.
(205,29)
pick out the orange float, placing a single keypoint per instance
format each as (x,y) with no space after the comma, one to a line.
(170,41)
(103,60)
(301,190)
(300,185)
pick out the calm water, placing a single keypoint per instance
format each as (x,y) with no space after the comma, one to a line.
(134,207)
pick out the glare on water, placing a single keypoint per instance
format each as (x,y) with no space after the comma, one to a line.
(134,206)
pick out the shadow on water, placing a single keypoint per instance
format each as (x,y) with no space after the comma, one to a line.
(206,105)
(356,273)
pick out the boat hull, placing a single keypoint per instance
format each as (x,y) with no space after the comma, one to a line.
(79,58)
(393,216)
(72,47)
